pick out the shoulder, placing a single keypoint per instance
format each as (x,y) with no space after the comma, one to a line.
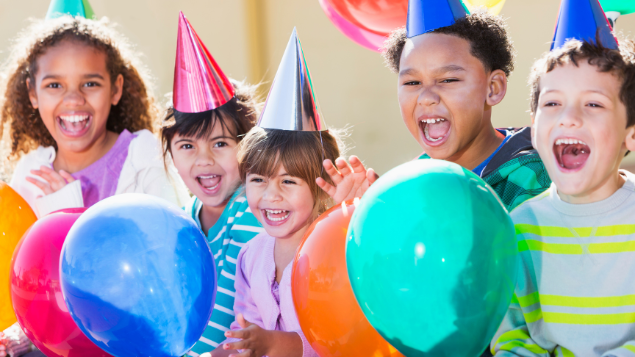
(532,207)
(254,253)
(145,150)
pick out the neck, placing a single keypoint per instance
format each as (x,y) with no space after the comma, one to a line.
(481,147)
(606,189)
(210,214)
(74,161)
(286,248)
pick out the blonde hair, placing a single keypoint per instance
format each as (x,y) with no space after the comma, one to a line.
(301,153)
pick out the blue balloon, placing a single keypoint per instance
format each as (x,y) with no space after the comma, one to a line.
(138,277)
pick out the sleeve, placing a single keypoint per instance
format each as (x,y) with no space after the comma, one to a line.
(513,337)
(528,181)
(307,350)
(157,182)
(626,350)
(70,196)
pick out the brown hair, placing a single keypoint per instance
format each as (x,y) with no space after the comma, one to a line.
(486,33)
(621,63)
(236,117)
(300,152)
(135,111)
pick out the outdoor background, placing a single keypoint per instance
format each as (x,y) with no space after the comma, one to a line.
(247,39)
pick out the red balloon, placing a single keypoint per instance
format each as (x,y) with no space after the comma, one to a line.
(328,313)
(361,36)
(35,289)
(378,16)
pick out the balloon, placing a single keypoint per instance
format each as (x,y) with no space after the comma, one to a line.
(494,7)
(138,277)
(36,293)
(16,216)
(624,7)
(329,315)
(359,35)
(378,16)
(431,256)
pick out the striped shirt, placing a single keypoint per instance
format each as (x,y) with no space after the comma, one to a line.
(575,294)
(235,227)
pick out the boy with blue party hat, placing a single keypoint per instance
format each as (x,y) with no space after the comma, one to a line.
(576,283)
(453,68)
(80,8)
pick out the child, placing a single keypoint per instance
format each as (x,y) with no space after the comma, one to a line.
(574,295)
(79,109)
(453,70)
(279,161)
(202,136)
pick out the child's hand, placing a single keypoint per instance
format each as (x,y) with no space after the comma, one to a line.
(54,181)
(254,339)
(350,181)
(13,341)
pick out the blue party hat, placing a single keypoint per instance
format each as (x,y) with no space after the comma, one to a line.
(59,8)
(583,20)
(429,15)
(291,103)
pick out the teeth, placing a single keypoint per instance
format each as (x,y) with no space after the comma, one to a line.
(269,212)
(569,142)
(432,121)
(207,177)
(74,118)
(427,134)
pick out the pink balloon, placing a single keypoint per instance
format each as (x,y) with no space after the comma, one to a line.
(361,36)
(35,289)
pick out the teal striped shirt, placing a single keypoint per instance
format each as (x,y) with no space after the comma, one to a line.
(235,227)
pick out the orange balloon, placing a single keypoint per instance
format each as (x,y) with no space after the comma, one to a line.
(330,318)
(16,216)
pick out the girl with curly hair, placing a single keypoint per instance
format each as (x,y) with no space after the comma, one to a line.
(80,117)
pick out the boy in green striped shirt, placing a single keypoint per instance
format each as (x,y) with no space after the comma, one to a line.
(575,294)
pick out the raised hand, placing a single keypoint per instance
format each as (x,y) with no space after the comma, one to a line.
(350,180)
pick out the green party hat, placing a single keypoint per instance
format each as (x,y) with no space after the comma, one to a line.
(70,7)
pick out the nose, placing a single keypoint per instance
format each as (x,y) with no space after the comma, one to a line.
(205,157)
(272,193)
(428,97)
(74,98)
(570,117)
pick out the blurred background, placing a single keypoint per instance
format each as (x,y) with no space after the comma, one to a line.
(247,39)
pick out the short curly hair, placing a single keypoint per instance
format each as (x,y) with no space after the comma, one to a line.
(487,34)
(620,63)
(136,109)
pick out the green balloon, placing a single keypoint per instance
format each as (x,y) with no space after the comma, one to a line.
(431,256)
(624,7)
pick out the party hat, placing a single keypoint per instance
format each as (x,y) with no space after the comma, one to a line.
(199,83)
(429,15)
(291,104)
(59,8)
(582,20)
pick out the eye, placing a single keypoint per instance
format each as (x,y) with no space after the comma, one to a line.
(187,146)
(256,180)
(54,85)
(91,84)
(595,105)
(550,104)
(449,80)
(412,83)
(288,182)
(220,144)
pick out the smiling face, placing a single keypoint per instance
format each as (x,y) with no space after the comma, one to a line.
(208,165)
(446,94)
(283,204)
(580,131)
(73,93)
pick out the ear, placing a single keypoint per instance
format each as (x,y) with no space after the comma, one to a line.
(497,87)
(117,90)
(533,131)
(32,95)
(629,141)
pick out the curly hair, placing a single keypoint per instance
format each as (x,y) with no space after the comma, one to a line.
(488,38)
(136,109)
(236,117)
(620,63)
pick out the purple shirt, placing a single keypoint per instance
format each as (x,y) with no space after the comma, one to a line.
(261,300)
(99,180)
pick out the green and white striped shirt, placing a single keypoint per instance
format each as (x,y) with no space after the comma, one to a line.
(235,227)
(575,294)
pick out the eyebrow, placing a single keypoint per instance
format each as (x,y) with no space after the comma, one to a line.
(56,76)
(445,69)
(222,137)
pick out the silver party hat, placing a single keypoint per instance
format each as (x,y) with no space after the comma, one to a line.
(291,103)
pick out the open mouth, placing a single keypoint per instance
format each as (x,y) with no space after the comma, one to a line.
(209,183)
(435,131)
(571,154)
(276,217)
(74,125)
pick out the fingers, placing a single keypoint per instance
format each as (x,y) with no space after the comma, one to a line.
(326,187)
(372,176)
(55,179)
(356,164)
(343,167)
(44,186)
(245,353)
(242,321)
(67,176)
(238,345)
(332,171)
